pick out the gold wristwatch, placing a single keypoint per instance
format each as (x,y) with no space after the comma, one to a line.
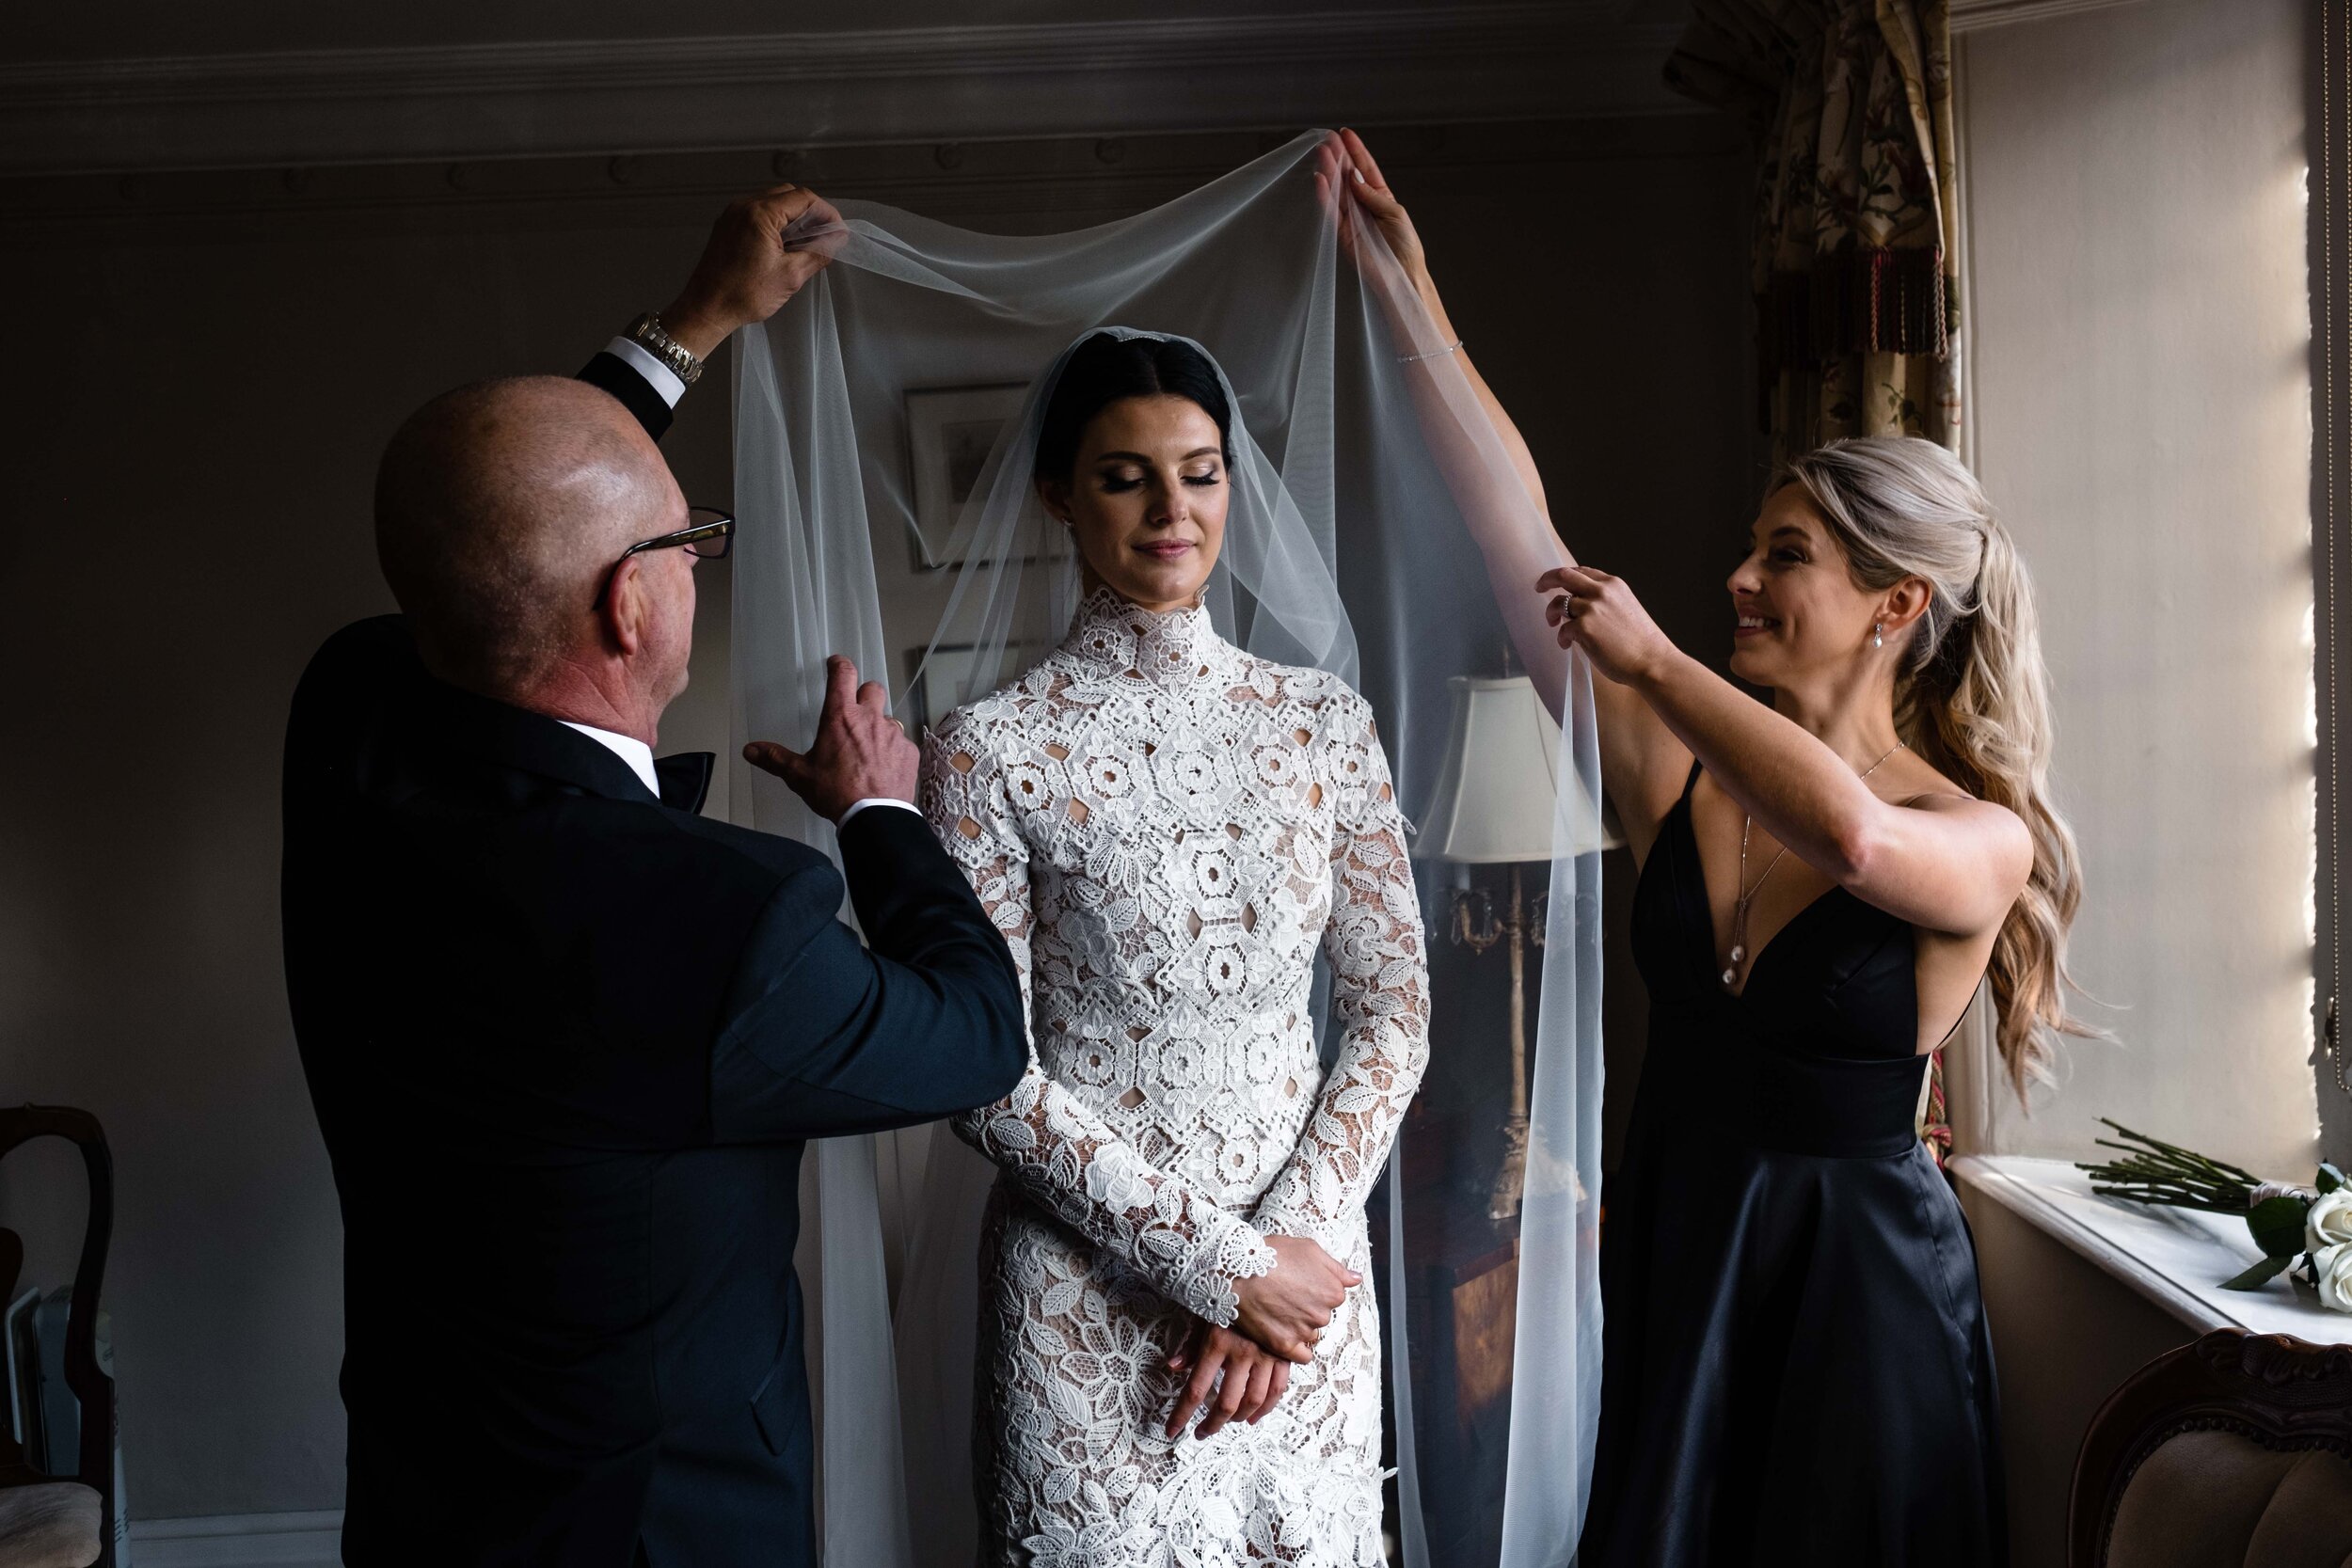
(648,333)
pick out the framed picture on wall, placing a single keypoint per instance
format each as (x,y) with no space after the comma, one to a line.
(938,688)
(951,432)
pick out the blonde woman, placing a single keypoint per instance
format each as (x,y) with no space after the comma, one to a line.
(1795,1362)
(1796,1365)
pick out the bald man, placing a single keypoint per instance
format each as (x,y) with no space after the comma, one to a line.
(565,1036)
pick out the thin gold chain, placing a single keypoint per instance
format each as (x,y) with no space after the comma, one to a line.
(1747,895)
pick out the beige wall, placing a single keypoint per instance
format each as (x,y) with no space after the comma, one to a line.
(192,438)
(2065,1336)
(2136,260)
(2134,222)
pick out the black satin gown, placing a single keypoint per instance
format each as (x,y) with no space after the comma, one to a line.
(1795,1367)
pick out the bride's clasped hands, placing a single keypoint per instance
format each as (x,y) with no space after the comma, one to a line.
(1281,1317)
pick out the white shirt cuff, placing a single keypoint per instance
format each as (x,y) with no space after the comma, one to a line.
(663,379)
(876,800)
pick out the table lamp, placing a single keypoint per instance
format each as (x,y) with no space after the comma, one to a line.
(1495,804)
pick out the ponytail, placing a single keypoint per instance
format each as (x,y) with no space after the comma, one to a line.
(1973,699)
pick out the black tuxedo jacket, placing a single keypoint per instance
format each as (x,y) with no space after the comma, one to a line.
(565,1040)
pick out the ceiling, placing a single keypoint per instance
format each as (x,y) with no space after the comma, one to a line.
(148,28)
(105,30)
(135,85)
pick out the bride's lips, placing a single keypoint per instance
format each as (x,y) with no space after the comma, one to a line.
(1170,549)
(1747,625)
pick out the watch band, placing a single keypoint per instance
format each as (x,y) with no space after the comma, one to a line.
(648,333)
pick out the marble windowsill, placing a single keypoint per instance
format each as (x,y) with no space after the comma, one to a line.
(2175,1258)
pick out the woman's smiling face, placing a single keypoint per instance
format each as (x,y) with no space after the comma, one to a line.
(1146,499)
(1798,611)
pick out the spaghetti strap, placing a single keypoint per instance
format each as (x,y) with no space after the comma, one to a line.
(1692,783)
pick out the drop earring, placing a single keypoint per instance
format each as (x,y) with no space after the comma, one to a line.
(1877,641)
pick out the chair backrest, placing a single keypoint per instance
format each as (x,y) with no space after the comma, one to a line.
(2198,1447)
(13,1471)
(91,1386)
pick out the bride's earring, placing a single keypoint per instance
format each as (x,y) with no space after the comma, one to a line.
(1877,639)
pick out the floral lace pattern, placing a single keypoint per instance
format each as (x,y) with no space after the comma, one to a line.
(1165,828)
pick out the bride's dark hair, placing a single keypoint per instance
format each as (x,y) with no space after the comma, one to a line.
(1105,369)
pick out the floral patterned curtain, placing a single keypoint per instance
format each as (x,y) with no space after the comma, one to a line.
(1856,264)
(1856,275)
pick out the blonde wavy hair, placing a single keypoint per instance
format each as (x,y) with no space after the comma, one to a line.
(1973,697)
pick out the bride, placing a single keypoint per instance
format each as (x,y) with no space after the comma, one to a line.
(1180,1357)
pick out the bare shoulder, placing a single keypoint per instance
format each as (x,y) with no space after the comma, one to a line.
(1914,783)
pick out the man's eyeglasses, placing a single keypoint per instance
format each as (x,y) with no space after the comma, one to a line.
(706,535)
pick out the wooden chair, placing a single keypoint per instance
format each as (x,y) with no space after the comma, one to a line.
(46,1522)
(2235,1449)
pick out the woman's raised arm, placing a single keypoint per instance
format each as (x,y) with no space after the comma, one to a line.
(1487,465)
(1942,860)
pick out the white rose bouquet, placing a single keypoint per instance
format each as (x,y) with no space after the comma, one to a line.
(2310,1227)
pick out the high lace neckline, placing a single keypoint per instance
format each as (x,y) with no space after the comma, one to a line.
(1161,646)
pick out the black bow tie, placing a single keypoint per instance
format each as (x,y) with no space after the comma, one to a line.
(686,778)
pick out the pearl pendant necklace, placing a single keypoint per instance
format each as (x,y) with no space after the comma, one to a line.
(1747,896)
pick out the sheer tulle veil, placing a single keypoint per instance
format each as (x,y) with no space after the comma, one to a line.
(1372,519)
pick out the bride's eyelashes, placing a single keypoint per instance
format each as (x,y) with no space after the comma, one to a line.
(1115,483)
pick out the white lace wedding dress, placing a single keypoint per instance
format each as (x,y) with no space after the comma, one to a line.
(1165,827)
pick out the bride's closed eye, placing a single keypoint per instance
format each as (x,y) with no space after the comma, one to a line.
(1116,482)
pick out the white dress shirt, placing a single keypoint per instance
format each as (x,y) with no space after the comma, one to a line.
(658,376)
(640,759)
(628,748)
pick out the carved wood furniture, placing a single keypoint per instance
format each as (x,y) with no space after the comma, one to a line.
(2235,1449)
(46,1521)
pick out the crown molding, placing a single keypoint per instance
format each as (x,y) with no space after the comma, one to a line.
(1969,16)
(1511,60)
(1007,185)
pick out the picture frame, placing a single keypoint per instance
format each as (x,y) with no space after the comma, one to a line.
(950,433)
(933,691)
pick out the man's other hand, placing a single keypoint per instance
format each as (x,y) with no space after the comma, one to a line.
(747,271)
(859,752)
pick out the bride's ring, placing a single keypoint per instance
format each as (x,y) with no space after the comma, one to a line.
(1566,605)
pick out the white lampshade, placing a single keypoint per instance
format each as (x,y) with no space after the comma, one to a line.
(1496,791)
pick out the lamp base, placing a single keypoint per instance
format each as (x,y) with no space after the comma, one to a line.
(1511,1181)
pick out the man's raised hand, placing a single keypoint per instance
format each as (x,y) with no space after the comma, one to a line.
(859,752)
(761,250)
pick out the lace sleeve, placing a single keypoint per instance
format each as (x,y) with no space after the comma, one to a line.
(1379,990)
(1052,1143)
